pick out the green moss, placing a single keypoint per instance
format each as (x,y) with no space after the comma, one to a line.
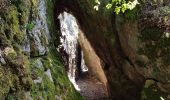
(155,44)
(151,92)
(50,21)
(10,53)
(30,26)
(17,48)
(16,96)
(5,81)
(12,26)
(19,67)
(131,15)
(62,84)
(151,34)
(34,10)
(43,37)
(3,39)
(46,63)
(18,76)
(37,91)
(24,11)
(34,2)
(46,88)
(10,87)
(36,69)
(49,88)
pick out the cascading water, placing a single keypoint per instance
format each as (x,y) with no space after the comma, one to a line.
(91,84)
(69,42)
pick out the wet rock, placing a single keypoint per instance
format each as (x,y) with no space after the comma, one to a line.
(48,73)
(92,60)
(164,87)
(39,35)
(57,97)
(8,51)
(2,60)
(38,63)
(168,97)
(28,95)
(38,80)
(26,45)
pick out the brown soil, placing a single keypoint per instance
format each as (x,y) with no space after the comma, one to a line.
(91,88)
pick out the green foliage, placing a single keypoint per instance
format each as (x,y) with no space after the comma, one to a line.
(30,26)
(50,21)
(152,92)
(119,5)
(131,15)
(63,86)
(60,85)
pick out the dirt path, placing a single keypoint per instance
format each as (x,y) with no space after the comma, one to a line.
(91,88)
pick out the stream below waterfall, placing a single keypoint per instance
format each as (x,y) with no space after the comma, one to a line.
(85,83)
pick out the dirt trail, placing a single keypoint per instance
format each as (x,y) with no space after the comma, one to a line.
(91,88)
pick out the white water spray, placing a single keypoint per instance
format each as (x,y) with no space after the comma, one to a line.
(69,40)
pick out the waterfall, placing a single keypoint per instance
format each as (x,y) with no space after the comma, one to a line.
(69,42)
(83,66)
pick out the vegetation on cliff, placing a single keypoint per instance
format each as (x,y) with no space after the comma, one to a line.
(25,72)
(131,40)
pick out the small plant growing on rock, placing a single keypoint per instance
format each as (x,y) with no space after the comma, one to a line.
(30,26)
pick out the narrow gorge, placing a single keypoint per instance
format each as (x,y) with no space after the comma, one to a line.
(84,50)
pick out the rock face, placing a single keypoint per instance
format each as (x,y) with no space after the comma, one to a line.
(39,35)
(30,67)
(131,50)
(100,30)
(145,42)
(92,60)
(133,47)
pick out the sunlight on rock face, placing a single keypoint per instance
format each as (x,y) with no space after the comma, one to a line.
(69,42)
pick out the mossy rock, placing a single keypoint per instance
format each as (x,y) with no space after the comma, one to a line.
(24,11)
(10,53)
(12,26)
(37,69)
(49,88)
(152,92)
(6,81)
(34,49)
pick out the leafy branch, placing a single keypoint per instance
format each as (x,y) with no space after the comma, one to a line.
(118,5)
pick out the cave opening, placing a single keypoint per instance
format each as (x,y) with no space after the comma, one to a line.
(87,76)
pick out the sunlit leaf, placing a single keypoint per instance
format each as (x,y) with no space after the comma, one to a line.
(117,9)
(108,6)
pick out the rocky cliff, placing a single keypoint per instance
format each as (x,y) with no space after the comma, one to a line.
(30,66)
(133,47)
(128,52)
